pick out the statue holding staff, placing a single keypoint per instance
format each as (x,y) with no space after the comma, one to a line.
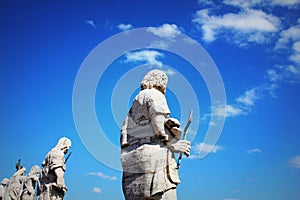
(52,183)
(149,139)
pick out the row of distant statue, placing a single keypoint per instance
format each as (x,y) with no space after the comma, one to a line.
(49,180)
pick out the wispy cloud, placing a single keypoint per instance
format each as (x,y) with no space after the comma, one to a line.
(148,56)
(254,151)
(249,97)
(206,2)
(169,72)
(242,105)
(226,111)
(165,31)
(242,3)
(104,176)
(249,25)
(97,190)
(125,27)
(291,38)
(289,43)
(283,73)
(202,147)
(295,162)
(91,23)
(261,3)
(285,3)
(290,35)
(295,57)
(253,23)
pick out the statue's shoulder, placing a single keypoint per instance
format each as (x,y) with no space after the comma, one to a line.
(152,95)
(56,153)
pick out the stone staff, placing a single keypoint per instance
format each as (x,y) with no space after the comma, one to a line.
(184,135)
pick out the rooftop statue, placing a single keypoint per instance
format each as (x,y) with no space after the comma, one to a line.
(3,186)
(149,140)
(15,184)
(52,183)
(29,183)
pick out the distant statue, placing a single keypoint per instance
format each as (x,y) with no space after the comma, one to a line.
(149,139)
(52,183)
(29,183)
(18,165)
(15,184)
(3,187)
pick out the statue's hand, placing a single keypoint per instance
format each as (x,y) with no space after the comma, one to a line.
(62,187)
(181,146)
(176,132)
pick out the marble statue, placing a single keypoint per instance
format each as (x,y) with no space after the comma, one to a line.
(3,186)
(149,139)
(15,184)
(28,189)
(52,184)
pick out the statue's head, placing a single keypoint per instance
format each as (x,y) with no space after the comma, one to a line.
(63,144)
(5,181)
(155,79)
(22,170)
(35,170)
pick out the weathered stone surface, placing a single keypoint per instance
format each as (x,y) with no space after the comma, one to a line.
(29,183)
(3,187)
(15,184)
(148,145)
(52,184)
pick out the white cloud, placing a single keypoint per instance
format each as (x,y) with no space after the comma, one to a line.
(203,147)
(289,41)
(273,76)
(101,175)
(295,57)
(288,38)
(97,190)
(205,2)
(287,74)
(253,151)
(159,44)
(249,97)
(125,27)
(148,56)
(242,105)
(271,89)
(261,3)
(292,34)
(226,111)
(295,162)
(243,3)
(169,72)
(288,3)
(91,23)
(165,31)
(246,26)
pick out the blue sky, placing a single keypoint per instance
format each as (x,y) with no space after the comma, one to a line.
(255,46)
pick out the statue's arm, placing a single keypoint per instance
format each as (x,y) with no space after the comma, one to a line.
(60,180)
(157,122)
(158,111)
(58,167)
